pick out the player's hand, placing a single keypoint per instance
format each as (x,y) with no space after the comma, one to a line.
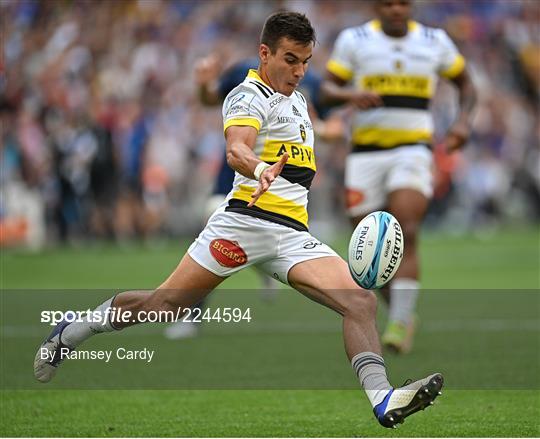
(207,69)
(366,99)
(457,136)
(267,178)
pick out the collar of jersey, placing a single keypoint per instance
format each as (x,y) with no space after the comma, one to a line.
(376,26)
(252,73)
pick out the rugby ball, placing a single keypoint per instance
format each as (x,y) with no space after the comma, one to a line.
(375,250)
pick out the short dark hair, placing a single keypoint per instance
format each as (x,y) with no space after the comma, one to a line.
(286,24)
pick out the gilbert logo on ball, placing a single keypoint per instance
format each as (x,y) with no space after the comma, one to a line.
(375,250)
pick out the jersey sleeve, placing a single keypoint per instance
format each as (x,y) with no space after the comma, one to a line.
(340,63)
(243,107)
(451,62)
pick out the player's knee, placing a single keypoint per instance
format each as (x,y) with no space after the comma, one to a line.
(361,304)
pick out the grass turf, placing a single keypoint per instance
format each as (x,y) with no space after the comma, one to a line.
(291,344)
(260,413)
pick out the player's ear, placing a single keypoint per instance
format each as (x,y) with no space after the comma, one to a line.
(264,52)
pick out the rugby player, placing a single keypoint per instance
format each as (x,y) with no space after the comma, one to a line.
(264,222)
(388,69)
(212,89)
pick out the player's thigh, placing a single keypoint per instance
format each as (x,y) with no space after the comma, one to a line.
(328,281)
(186,286)
(410,185)
(410,177)
(314,269)
(231,242)
(409,207)
(294,247)
(228,243)
(365,175)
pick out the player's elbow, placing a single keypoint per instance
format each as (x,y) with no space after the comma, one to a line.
(329,95)
(467,90)
(232,156)
(326,92)
(473,94)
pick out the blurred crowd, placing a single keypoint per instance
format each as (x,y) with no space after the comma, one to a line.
(102,134)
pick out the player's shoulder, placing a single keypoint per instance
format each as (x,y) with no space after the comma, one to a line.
(247,93)
(256,85)
(430,34)
(300,98)
(238,93)
(240,100)
(363,31)
(252,96)
(310,86)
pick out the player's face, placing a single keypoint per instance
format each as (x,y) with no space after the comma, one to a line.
(394,14)
(287,66)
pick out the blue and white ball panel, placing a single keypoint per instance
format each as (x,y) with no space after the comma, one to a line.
(375,250)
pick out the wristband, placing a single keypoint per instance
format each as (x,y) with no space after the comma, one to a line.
(259,169)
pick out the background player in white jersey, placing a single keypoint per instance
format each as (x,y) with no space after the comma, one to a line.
(264,222)
(388,69)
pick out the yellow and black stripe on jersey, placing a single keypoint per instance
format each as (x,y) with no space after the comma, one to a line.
(300,168)
(400,90)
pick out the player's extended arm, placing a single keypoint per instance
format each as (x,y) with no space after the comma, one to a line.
(241,158)
(459,132)
(206,73)
(335,91)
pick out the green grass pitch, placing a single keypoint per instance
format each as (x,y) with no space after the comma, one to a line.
(285,373)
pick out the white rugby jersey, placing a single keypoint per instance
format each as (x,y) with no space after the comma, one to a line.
(283,125)
(404,71)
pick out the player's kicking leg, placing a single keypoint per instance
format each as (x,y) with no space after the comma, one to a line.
(186,286)
(50,354)
(327,281)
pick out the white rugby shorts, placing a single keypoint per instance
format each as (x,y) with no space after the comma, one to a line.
(371,176)
(232,241)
